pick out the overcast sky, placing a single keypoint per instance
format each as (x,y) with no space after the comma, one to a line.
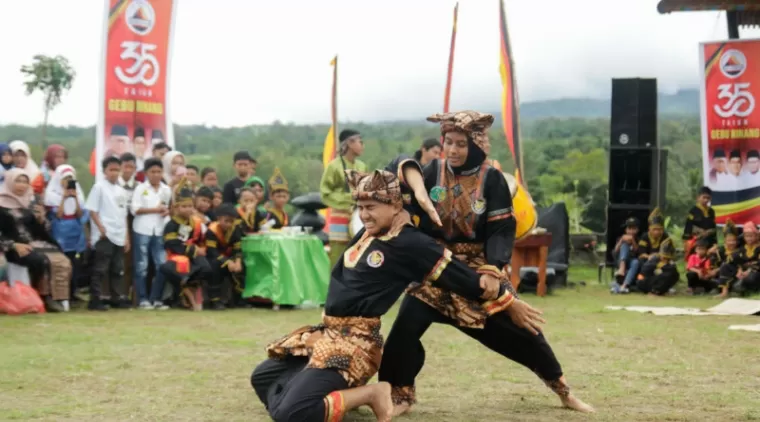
(239,62)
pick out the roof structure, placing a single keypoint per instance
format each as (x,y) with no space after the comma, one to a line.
(747,11)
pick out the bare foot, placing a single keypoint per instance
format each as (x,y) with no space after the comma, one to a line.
(401,409)
(571,402)
(382,404)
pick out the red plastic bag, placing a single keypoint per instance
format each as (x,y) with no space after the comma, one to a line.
(19,299)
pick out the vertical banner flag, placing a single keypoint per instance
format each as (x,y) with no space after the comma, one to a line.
(450,70)
(134,89)
(510,112)
(331,144)
(731,127)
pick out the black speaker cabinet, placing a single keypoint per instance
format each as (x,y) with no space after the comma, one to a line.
(638,176)
(616,216)
(633,121)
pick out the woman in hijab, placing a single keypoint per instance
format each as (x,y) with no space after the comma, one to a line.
(471,214)
(172,160)
(429,151)
(6,160)
(22,159)
(23,224)
(68,216)
(55,155)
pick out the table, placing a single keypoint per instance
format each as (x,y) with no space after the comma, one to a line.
(286,269)
(531,251)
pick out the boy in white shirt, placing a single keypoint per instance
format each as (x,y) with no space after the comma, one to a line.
(150,205)
(107,204)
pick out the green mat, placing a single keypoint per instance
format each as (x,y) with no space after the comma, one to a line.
(288,270)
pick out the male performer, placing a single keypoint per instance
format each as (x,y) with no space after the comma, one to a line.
(335,191)
(700,223)
(319,372)
(223,240)
(279,195)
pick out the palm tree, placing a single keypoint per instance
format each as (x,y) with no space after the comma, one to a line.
(52,76)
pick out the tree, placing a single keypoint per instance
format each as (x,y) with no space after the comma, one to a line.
(52,76)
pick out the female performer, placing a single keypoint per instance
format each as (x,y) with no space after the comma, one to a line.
(474,204)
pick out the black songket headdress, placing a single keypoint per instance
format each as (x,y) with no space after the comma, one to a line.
(473,124)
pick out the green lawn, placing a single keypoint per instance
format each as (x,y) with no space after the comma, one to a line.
(161,366)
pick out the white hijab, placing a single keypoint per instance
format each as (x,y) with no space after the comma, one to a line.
(54,191)
(167,162)
(32,169)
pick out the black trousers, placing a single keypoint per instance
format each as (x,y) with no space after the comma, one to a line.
(749,284)
(200,270)
(218,283)
(77,269)
(108,268)
(36,263)
(694,282)
(659,284)
(404,355)
(293,393)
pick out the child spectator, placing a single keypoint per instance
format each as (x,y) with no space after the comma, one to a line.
(257,186)
(628,260)
(279,196)
(186,263)
(204,197)
(68,216)
(217,197)
(223,243)
(150,204)
(700,222)
(192,176)
(245,167)
(699,272)
(209,178)
(107,204)
(128,179)
(160,149)
(742,274)
(659,274)
(250,218)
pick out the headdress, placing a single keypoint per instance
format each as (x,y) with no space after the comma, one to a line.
(277,181)
(667,249)
(719,153)
(656,219)
(183,192)
(472,123)
(735,153)
(730,228)
(753,154)
(382,186)
(749,227)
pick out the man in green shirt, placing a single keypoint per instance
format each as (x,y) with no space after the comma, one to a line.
(336,194)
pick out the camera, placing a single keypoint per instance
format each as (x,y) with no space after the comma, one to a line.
(72,184)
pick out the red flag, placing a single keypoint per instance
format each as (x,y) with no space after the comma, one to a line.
(450,72)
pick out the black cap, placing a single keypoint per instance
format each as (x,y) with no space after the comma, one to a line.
(242,156)
(157,134)
(704,190)
(735,153)
(719,153)
(139,132)
(347,133)
(205,192)
(226,210)
(753,154)
(119,130)
(631,222)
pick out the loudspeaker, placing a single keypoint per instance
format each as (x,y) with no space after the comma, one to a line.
(637,176)
(616,216)
(633,121)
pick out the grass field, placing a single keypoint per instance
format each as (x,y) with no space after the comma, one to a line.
(183,366)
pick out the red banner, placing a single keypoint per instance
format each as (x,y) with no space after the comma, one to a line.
(731,127)
(134,107)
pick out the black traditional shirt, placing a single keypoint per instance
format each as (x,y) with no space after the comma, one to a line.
(475,206)
(281,218)
(182,236)
(647,246)
(221,245)
(722,256)
(698,221)
(375,271)
(251,223)
(748,257)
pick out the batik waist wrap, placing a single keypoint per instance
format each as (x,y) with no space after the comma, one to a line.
(351,345)
(466,313)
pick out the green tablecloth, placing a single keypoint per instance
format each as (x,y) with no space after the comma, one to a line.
(288,270)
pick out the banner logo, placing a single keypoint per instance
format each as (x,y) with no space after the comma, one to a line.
(733,63)
(140,17)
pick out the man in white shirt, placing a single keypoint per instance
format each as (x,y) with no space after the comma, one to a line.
(107,204)
(731,180)
(150,205)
